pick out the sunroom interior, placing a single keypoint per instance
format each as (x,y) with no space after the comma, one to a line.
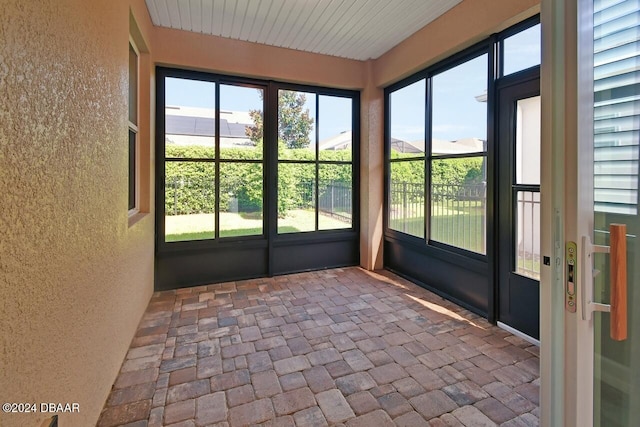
(141,152)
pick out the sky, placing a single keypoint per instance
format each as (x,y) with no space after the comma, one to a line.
(456,112)
(334,112)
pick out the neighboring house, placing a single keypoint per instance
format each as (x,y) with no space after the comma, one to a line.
(439,146)
(195,126)
(342,141)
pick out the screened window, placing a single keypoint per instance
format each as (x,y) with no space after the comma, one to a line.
(214,172)
(458,155)
(522,50)
(315,161)
(438,140)
(406,198)
(236,166)
(449,155)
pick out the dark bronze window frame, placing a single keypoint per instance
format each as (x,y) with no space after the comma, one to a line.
(197,262)
(462,276)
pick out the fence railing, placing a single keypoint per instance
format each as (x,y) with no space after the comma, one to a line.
(188,195)
(406,207)
(457,212)
(334,199)
(528,234)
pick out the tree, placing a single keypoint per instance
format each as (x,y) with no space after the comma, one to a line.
(294,122)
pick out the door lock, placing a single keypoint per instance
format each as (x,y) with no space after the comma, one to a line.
(570,284)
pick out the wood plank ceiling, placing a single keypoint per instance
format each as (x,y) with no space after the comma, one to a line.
(356,29)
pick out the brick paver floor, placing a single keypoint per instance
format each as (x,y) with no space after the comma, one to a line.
(334,347)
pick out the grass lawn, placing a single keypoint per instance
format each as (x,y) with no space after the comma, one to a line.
(201,226)
(461,228)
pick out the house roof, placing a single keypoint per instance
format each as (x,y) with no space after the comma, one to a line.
(440,146)
(188,121)
(338,142)
(201,122)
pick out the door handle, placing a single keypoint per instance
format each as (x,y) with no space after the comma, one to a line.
(618,277)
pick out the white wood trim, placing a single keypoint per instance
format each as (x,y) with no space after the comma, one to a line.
(583,359)
(558,104)
(134,127)
(133,44)
(567,205)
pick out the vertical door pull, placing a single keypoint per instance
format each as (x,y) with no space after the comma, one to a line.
(618,242)
(618,277)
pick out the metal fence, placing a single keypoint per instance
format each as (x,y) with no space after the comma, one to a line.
(188,195)
(406,210)
(457,212)
(335,199)
(458,215)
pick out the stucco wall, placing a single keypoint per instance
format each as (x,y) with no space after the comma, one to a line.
(462,26)
(74,277)
(235,57)
(371,172)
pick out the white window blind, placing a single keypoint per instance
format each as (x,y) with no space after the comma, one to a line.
(617,105)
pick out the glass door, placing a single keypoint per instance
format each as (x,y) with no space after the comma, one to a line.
(601,340)
(616,116)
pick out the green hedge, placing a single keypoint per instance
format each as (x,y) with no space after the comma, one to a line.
(409,176)
(461,171)
(190,185)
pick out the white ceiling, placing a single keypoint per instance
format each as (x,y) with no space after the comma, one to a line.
(356,29)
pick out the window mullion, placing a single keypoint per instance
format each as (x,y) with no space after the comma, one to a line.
(217,161)
(428,200)
(317,137)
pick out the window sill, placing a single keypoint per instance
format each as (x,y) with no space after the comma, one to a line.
(135,216)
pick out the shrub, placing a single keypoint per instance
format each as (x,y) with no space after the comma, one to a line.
(408,177)
(190,184)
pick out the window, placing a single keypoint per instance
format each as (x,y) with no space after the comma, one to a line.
(437,141)
(522,50)
(407,156)
(458,155)
(237,166)
(617,108)
(315,161)
(134,175)
(241,160)
(449,155)
(214,175)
